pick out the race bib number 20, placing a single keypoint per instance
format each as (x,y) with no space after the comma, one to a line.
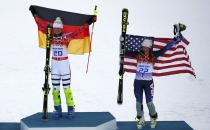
(58,53)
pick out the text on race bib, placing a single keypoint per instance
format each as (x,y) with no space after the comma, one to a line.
(144,68)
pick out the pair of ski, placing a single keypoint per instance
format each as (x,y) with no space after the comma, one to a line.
(46,88)
(122,54)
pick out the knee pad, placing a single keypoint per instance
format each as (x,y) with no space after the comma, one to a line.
(69,97)
(56,97)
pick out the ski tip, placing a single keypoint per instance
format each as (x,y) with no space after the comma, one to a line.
(125,9)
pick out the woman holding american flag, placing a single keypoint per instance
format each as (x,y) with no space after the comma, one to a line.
(143,79)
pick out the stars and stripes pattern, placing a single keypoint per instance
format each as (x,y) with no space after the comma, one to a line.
(133,44)
(174,61)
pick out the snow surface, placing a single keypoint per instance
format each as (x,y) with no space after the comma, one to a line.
(179,97)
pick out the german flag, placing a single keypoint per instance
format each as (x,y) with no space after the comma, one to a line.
(72,22)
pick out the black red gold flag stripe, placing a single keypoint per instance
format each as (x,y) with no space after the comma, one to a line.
(72,22)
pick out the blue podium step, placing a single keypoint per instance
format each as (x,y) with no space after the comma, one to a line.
(87,121)
(81,121)
(9,126)
(161,125)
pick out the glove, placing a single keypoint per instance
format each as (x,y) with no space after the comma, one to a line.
(94,18)
(121,71)
(47,68)
(121,38)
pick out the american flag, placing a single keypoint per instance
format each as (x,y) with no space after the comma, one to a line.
(174,61)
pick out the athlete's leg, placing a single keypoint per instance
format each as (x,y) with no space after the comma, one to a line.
(149,93)
(55,77)
(66,81)
(138,92)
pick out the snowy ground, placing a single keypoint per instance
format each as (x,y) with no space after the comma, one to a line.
(176,97)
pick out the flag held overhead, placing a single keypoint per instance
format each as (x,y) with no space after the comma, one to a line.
(72,22)
(68,18)
(174,61)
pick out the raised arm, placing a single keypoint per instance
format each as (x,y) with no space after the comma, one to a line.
(69,36)
(168,46)
(178,28)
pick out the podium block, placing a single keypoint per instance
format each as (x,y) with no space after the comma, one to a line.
(9,126)
(87,121)
(81,121)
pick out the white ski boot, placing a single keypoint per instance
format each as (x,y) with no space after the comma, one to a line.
(140,122)
(153,121)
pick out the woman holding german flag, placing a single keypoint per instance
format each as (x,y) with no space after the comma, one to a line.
(70,36)
(60,67)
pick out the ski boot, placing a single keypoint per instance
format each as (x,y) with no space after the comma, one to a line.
(58,112)
(140,122)
(69,102)
(71,112)
(153,120)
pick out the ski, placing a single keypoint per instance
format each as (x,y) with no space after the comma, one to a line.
(122,53)
(46,88)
